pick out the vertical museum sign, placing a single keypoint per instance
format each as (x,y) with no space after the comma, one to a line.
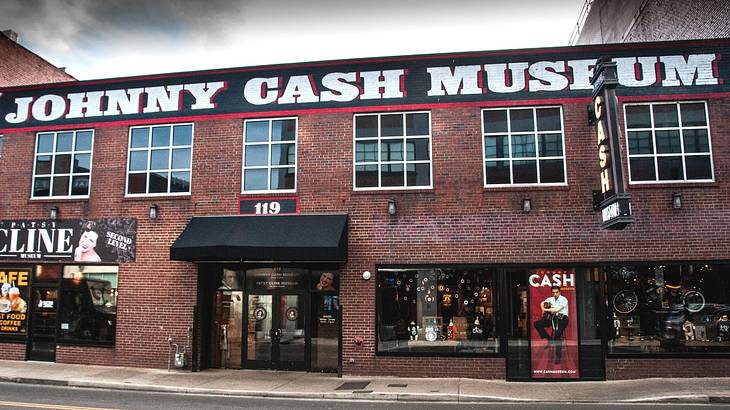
(613,201)
(554,324)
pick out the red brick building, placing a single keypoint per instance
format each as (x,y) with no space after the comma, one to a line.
(439,215)
(20,66)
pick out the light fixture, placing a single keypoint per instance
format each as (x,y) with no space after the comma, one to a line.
(526,204)
(366,275)
(53,214)
(591,115)
(676,200)
(153,211)
(391,207)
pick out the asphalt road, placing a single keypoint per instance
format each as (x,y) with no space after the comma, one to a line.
(26,396)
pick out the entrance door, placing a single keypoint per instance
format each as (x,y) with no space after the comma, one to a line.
(42,339)
(276,336)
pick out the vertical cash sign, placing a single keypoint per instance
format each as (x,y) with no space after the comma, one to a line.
(615,202)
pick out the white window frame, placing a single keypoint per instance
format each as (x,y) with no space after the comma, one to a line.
(70,174)
(268,167)
(537,156)
(681,154)
(170,170)
(380,162)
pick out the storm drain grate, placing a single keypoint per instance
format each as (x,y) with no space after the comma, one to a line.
(353,385)
(397,385)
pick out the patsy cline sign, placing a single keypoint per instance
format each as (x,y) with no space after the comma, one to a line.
(479,78)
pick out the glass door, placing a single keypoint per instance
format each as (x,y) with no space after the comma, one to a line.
(276,336)
(227,330)
(42,340)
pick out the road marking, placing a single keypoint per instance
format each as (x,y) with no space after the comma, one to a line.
(48,406)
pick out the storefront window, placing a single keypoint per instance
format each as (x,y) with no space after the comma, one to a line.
(436,311)
(669,308)
(89,304)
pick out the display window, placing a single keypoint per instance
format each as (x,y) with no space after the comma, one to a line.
(88,304)
(436,311)
(669,308)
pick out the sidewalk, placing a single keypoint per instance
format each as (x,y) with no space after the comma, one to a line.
(264,383)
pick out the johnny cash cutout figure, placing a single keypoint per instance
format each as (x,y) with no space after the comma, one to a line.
(689,330)
(413,331)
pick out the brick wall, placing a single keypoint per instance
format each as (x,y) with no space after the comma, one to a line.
(19,66)
(618,369)
(457,222)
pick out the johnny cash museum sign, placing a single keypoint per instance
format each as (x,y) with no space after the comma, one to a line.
(481,78)
(74,240)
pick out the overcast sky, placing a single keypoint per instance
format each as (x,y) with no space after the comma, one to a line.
(113,38)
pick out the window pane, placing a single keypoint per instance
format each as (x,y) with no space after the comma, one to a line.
(80,185)
(418,174)
(548,119)
(138,161)
(366,126)
(496,147)
(665,115)
(521,120)
(392,175)
(391,125)
(693,114)
(181,158)
(523,146)
(140,137)
(642,169)
(43,165)
(391,150)
(88,301)
(668,142)
(82,163)
(551,145)
(255,179)
(182,135)
(160,136)
(282,178)
(417,124)
(137,183)
(366,151)
(640,142)
(366,176)
(497,172)
(524,172)
(158,182)
(160,159)
(637,116)
(495,121)
(257,155)
(670,168)
(257,131)
(64,141)
(283,130)
(417,149)
(696,141)
(551,171)
(699,167)
(83,141)
(42,186)
(62,164)
(282,154)
(45,143)
(60,186)
(180,181)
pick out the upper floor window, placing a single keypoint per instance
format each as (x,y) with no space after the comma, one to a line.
(160,158)
(393,150)
(523,146)
(270,155)
(62,166)
(668,142)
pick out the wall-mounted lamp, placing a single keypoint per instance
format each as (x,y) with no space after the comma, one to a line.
(391,207)
(526,204)
(53,213)
(676,200)
(591,115)
(153,211)
(366,275)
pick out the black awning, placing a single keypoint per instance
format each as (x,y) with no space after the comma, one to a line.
(287,238)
